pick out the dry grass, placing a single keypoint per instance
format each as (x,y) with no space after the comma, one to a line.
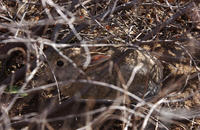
(61,64)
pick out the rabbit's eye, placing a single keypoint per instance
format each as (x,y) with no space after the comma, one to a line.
(59,63)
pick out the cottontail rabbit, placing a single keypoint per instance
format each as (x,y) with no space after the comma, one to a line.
(104,70)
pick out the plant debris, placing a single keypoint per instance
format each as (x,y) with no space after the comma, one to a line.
(98,64)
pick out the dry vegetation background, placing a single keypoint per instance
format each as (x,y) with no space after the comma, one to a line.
(46,45)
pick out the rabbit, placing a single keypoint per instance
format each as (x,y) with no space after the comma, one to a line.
(103,69)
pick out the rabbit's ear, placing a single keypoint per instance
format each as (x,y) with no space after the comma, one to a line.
(98,59)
